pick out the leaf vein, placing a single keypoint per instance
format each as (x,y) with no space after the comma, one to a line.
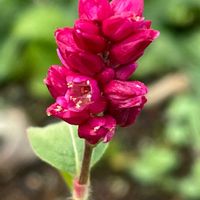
(75,148)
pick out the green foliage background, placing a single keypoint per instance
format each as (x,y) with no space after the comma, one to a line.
(27,49)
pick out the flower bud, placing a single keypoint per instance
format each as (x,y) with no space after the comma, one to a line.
(56,80)
(127,116)
(98,129)
(133,6)
(106,76)
(133,47)
(94,9)
(73,57)
(87,36)
(85,63)
(124,72)
(118,28)
(125,94)
(65,40)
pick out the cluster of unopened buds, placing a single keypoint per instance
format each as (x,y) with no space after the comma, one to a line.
(98,56)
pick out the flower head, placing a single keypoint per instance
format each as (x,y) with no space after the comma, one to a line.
(99,54)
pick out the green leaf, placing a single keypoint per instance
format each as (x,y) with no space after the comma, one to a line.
(68,179)
(60,146)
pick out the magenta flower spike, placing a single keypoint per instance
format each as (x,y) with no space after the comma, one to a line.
(99,54)
(91,89)
(98,129)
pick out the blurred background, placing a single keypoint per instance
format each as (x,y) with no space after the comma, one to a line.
(158,158)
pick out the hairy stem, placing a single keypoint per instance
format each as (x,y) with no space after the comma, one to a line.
(81,185)
(85,169)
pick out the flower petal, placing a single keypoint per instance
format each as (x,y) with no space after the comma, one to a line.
(127,116)
(133,47)
(124,72)
(94,9)
(85,63)
(106,76)
(87,36)
(98,129)
(125,94)
(133,6)
(65,40)
(117,28)
(56,80)
(75,58)
(75,118)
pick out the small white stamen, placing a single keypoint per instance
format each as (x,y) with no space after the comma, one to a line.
(73,98)
(78,104)
(58,109)
(48,114)
(88,82)
(138,86)
(70,85)
(96,128)
(89,96)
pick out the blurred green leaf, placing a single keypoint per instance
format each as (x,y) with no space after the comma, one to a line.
(40,22)
(183,125)
(191,46)
(153,163)
(9,53)
(189,186)
(30,48)
(163,55)
(38,58)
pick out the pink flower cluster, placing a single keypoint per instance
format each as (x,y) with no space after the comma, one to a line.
(98,56)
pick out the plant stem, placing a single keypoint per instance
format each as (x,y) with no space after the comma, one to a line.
(81,185)
(85,169)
